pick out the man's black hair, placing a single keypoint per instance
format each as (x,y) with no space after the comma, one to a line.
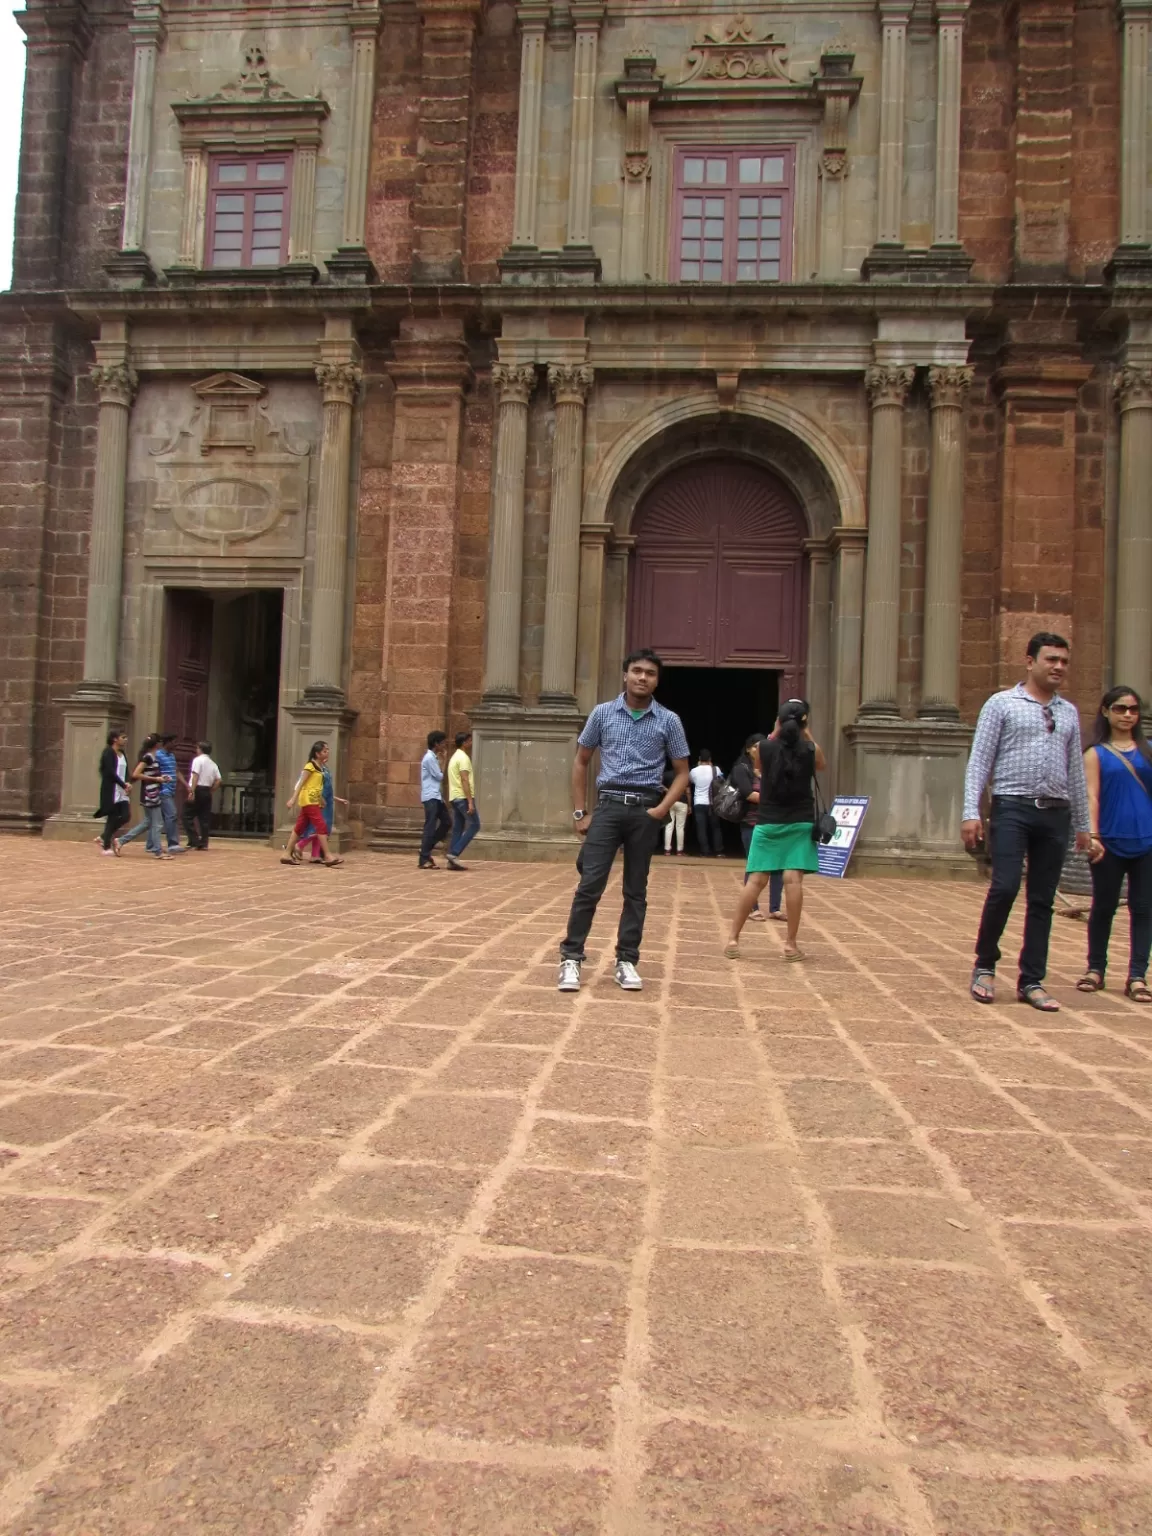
(1046,637)
(206,747)
(435,738)
(168,736)
(704,755)
(115,736)
(462,737)
(644,654)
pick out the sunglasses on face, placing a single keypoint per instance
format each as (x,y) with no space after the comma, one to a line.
(1124,709)
(1049,719)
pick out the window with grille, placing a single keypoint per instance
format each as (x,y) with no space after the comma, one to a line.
(248,211)
(733,216)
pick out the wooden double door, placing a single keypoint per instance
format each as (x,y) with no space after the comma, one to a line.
(719,577)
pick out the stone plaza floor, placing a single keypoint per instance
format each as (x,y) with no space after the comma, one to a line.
(321,1211)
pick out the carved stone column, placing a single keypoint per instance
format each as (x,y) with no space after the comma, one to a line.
(894,15)
(888,390)
(570,385)
(115,386)
(513,384)
(636,92)
(533,16)
(130,267)
(950,19)
(837,87)
(351,262)
(587,16)
(339,379)
(940,684)
(1134,570)
(1132,260)
(594,539)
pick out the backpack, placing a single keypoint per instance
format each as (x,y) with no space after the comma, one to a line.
(726,800)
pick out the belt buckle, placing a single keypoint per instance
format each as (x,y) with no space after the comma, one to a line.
(630,798)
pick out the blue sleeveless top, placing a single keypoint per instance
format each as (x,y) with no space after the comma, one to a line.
(1125,808)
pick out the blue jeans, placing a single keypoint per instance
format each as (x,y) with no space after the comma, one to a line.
(137,831)
(775,879)
(1017,831)
(437,825)
(171,824)
(464,827)
(154,815)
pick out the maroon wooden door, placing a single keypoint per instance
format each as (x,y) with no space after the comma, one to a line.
(189,621)
(718,576)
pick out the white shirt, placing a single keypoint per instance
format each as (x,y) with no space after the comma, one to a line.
(701,777)
(122,774)
(204,771)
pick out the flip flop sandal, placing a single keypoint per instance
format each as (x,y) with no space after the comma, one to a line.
(1092,981)
(793,954)
(1136,990)
(986,980)
(755,917)
(331,863)
(1036,997)
(290,858)
(731,951)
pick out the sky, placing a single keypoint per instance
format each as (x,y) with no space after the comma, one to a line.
(11,95)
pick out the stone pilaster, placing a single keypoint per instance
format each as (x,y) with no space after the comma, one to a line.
(570,385)
(1132,260)
(351,262)
(594,539)
(894,15)
(1133,659)
(513,385)
(533,17)
(339,378)
(587,16)
(636,92)
(849,547)
(950,18)
(837,87)
(940,684)
(130,267)
(115,385)
(445,116)
(888,390)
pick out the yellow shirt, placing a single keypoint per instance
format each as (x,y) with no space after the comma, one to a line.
(312,789)
(459,763)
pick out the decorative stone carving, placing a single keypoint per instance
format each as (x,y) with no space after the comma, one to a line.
(949,387)
(888,385)
(339,382)
(115,383)
(1134,388)
(731,50)
(569,382)
(228,480)
(834,164)
(514,382)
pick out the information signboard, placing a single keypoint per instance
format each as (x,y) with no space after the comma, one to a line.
(848,812)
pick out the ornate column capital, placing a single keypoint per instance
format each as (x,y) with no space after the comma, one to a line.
(338,382)
(364,20)
(569,382)
(514,382)
(116,383)
(147,24)
(952,13)
(949,386)
(1134,388)
(888,385)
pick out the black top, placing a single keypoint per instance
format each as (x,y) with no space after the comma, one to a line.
(150,789)
(787,800)
(744,778)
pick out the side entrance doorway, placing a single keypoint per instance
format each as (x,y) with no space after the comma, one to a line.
(222,682)
(719,589)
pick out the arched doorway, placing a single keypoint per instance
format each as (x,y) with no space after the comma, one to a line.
(719,587)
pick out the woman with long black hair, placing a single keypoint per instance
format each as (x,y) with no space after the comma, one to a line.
(1118,768)
(745,777)
(782,838)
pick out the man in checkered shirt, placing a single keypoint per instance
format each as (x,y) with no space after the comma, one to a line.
(1027,745)
(635,736)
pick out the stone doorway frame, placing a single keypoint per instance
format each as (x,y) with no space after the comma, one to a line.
(765,430)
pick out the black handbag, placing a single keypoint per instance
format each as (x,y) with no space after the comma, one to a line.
(823,823)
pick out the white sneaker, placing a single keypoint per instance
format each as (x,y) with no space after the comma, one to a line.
(569,978)
(628,977)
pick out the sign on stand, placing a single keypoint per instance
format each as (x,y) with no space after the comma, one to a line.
(848,812)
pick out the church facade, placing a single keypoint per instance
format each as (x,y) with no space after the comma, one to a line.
(378,366)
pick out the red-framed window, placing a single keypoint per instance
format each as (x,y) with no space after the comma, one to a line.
(733,216)
(248,210)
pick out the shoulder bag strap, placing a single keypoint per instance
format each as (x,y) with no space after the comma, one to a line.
(1108,747)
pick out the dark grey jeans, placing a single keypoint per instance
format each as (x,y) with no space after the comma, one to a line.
(613,826)
(1017,831)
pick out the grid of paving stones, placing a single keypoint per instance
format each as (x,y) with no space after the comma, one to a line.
(321,1211)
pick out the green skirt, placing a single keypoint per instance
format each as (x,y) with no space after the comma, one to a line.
(782,847)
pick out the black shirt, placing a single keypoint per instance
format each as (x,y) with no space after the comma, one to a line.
(788,799)
(150,792)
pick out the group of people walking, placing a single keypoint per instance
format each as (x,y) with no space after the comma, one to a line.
(158,775)
(456,826)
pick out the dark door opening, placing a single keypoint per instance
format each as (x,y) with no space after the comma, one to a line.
(720,708)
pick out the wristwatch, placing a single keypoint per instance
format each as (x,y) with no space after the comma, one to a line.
(579,815)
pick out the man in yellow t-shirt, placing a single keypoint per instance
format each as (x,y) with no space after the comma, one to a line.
(461,794)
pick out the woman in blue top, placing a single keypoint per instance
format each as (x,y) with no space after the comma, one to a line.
(1118,767)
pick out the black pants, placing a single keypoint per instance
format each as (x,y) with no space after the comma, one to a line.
(1107,878)
(437,825)
(708,828)
(120,813)
(613,826)
(1017,830)
(198,817)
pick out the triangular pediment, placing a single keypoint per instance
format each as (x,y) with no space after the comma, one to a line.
(233,386)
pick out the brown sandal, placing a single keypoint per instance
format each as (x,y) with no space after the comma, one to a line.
(1091,981)
(1036,997)
(1136,989)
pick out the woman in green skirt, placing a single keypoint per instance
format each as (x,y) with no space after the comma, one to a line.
(782,840)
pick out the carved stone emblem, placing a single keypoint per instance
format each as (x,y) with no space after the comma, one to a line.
(733,50)
(228,481)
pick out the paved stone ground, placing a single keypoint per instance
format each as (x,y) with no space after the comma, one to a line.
(322,1211)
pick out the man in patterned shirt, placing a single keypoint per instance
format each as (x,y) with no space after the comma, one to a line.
(1027,744)
(635,736)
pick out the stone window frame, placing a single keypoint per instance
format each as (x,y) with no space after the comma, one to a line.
(731,191)
(268,125)
(249,190)
(797,130)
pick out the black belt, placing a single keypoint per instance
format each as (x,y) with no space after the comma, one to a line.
(647,797)
(1041,802)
